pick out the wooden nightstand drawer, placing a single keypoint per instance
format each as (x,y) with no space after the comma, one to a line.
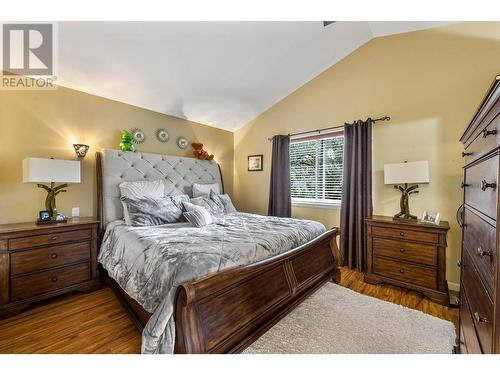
(49,239)
(42,282)
(405,234)
(411,273)
(48,257)
(43,261)
(410,251)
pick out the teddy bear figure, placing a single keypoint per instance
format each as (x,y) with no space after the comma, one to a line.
(200,153)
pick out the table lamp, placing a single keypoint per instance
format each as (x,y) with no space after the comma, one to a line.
(51,171)
(402,175)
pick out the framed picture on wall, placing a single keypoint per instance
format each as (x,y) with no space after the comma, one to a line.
(255,162)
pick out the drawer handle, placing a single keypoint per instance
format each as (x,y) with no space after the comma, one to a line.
(480,319)
(401,233)
(482,253)
(485,185)
(488,132)
(460,216)
(464,154)
(53,256)
(54,279)
(402,250)
(53,238)
(401,270)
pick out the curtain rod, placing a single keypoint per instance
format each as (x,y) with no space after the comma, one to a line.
(384,118)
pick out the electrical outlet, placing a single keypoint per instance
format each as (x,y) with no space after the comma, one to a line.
(75,212)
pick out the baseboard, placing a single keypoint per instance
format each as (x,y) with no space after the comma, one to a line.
(454,293)
(453,286)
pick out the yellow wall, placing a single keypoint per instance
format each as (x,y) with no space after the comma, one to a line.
(47,123)
(430,82)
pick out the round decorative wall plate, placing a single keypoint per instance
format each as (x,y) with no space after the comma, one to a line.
(138,135)
(182,142)
(162,135)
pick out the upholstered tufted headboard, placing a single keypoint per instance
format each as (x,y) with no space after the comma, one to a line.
(180,173)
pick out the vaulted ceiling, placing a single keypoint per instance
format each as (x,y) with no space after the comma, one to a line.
(222,74)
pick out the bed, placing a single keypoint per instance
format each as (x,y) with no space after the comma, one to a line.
(204,290)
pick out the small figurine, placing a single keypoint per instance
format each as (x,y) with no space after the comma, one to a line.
(126,141)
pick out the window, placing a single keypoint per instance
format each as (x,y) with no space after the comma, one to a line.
(316,163)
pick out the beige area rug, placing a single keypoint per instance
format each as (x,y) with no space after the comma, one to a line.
(338,320)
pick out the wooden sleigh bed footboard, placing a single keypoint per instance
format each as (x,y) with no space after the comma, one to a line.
(227,311)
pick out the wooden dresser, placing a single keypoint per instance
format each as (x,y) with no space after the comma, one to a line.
(42,261)
(480,284)
(410,255)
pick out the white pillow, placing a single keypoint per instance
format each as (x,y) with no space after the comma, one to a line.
(198,216)
(203,190)
(140,189)
(215,207)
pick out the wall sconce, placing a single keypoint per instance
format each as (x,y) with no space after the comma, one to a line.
(81,149)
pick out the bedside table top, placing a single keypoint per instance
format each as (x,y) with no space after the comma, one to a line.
(388,219)
(21,227)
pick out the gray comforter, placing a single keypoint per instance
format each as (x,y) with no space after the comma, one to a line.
(150,262)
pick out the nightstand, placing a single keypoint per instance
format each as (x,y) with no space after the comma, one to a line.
(43,261)
(411,255)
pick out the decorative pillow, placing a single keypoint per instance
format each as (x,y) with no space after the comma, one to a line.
(179,200)
(203,190)
(197,215)
(146,211)
(209,204)
(140,189)
(225,201)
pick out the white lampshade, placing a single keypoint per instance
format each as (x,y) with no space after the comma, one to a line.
(51,170)
(414,172)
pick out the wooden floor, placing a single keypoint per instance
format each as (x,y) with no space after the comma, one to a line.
(96,322)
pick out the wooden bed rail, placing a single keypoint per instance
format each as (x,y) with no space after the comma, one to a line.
(227,311)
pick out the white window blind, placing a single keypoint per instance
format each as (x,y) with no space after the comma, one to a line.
(316,163)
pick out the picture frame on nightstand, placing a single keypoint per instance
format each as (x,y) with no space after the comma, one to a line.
(429,217)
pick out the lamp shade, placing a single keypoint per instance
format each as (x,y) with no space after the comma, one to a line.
(51,170)
(414,172)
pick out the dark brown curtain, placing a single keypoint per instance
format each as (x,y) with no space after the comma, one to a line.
(280,196)
(356,203)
